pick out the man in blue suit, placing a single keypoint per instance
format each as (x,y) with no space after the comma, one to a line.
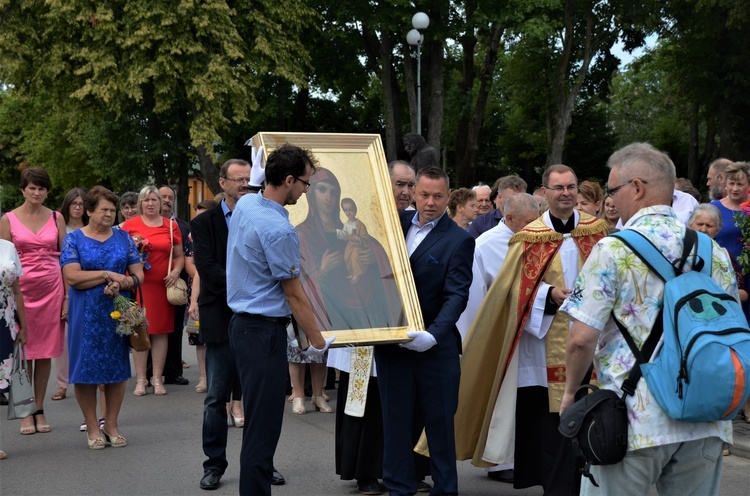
(426,369)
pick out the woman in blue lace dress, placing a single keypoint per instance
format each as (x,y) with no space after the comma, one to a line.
(95,260)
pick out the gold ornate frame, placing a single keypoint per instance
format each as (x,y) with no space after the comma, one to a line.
(359,164)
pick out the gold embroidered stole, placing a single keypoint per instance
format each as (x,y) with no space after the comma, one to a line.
(360,366)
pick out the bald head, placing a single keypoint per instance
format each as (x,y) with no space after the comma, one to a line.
(520,209)
(715,178)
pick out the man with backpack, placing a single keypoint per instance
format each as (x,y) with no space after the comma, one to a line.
(679,457)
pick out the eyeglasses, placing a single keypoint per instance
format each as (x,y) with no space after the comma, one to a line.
(239,180)
(613,191)
(483,200)
(306,183)
(560,188)
(76,204)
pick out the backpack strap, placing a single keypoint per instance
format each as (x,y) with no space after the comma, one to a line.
(644,249)
(642,355)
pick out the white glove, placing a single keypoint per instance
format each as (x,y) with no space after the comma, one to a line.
(258,170)
(312,351)
(421,341)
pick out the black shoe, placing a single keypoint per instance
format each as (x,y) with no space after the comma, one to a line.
(211,480)
(370,486)
(277,479)
(423,487)
(179,380)
(502,476)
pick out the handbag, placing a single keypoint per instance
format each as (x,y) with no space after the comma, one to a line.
(597,423)
(597,426)
(138,339)
(191,326)
(176,294)
(21,402)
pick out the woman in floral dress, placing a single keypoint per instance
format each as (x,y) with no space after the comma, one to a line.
(12,315)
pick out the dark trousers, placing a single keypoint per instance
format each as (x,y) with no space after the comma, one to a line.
(173,363)
(259,348)
(542,456)
(405,379)
(220,378)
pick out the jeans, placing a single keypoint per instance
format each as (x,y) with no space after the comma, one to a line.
(259,348)
(220,374)
(679,469)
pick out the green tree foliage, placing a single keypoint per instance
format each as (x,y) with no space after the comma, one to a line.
(176,70)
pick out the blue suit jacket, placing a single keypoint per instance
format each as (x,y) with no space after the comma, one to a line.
(441,265)
(484,223)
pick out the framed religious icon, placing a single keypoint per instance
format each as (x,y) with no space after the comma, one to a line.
(354,266)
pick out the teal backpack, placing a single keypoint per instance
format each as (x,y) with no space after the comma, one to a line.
(702,371)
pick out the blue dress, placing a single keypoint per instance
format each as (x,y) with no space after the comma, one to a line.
(98,355)
(730,235)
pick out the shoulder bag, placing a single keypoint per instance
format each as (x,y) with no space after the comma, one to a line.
(21,402)
(138,339)
(177,294)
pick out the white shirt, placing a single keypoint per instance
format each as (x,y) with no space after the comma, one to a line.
(683,205)
(489,255)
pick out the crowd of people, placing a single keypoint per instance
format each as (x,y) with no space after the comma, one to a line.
(514,363)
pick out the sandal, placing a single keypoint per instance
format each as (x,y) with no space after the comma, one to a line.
(201,387)
(60,394)
(115,441)
(43,428)
(158,387)
(30,429)
(140,387)
(3,455)
(97,443)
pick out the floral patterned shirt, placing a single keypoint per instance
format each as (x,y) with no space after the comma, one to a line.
(10,271)
(615,279)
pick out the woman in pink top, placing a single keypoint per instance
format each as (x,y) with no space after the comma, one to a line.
(37,233)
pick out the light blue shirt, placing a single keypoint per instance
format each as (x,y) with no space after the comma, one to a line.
(416,233)
(262,250)
(227,212)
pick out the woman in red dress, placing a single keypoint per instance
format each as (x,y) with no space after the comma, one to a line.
(151,226)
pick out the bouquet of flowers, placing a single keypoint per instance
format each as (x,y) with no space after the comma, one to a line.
(144,248)
(130,318)
(742,220)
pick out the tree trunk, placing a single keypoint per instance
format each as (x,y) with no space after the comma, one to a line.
(209,170)
(435,121)
(386,78)
(566,99)
(694,169)
(411,86)
(301,110)
(726,143)
(466,170)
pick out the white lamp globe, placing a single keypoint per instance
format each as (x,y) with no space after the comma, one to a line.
(420,20)
(413,37)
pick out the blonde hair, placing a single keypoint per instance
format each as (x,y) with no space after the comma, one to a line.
(143,194)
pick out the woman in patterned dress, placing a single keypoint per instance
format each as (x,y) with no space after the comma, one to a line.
(12,315)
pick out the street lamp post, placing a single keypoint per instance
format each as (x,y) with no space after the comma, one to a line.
(420,21)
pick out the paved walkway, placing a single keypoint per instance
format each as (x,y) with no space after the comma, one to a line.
(164,455)
(741,445)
